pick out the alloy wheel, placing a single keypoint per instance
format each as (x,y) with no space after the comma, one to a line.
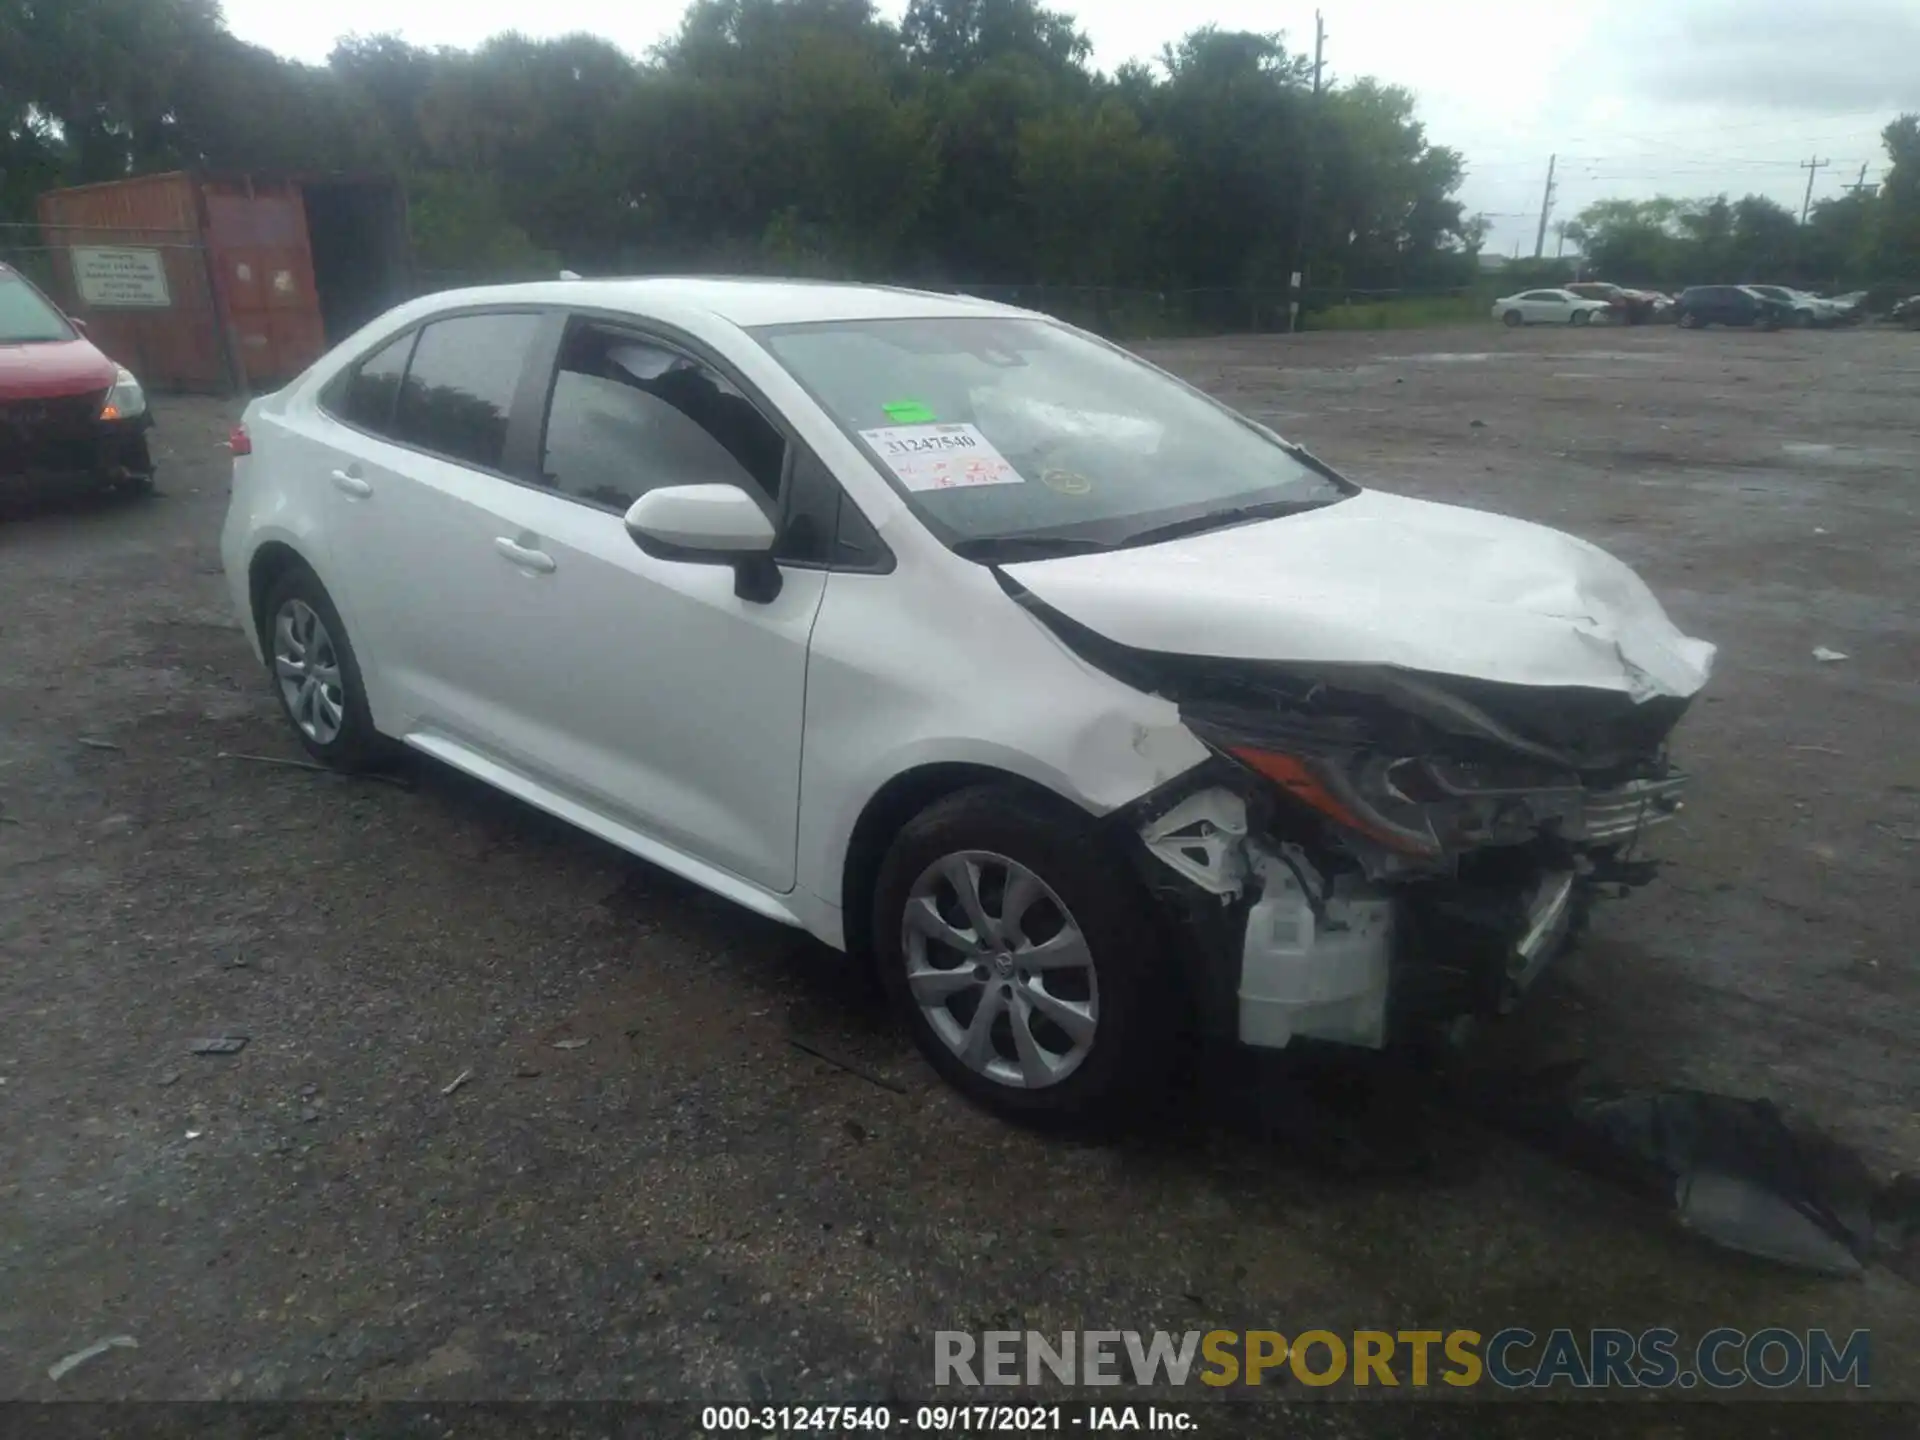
(307,666)
(1000,969)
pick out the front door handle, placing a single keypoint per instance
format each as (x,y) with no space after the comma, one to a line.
(350,484)
(536,560)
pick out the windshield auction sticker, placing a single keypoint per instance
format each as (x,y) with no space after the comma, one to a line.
(941,457)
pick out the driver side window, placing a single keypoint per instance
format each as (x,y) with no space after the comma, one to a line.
(628,415)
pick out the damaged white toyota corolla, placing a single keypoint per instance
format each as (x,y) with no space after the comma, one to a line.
(1089,709)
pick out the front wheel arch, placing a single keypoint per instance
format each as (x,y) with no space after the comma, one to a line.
(883,817)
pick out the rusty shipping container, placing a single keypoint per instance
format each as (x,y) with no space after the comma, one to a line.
(216,282)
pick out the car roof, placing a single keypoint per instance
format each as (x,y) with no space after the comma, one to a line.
(740,300)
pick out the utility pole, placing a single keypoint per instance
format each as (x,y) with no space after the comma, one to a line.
(1297,281)
(1861,183)
(1546,205)
(1813,167)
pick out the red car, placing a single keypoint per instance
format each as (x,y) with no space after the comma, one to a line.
(68,414)
(1635,307)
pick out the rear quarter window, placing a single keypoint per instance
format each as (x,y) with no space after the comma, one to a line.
(460,383)
(364,396)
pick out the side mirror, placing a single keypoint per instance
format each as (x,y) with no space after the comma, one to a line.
(709,525)
(77,323)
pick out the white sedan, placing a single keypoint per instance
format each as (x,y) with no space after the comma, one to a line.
(1085,708)
(1548,307)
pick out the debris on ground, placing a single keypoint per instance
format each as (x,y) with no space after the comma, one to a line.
(847,1065)
(172,1077)
(454,1084)
(569,1044)
(92,744)
(1826,656)
(395,780)
(219,1045)
(1735,1172)
(99,1347)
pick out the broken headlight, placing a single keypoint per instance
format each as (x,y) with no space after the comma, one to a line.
(1423,805)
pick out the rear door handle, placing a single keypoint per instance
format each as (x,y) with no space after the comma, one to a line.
(349,484)
(535,560)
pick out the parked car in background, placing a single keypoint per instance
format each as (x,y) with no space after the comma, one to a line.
(1906,312)
(68,415)
(1702,305)
(950,634)
(1629,307)
(1808,310)
(1549,307)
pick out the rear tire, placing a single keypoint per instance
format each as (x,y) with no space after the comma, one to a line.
(315,673)
(1513,319)
(1076,993)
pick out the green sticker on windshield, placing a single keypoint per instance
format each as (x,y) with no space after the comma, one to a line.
(908,412)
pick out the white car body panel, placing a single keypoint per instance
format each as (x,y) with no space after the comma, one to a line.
(938,665)
(1381,579)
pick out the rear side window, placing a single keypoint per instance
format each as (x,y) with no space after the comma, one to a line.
(629,415)
(459,389)
(366,399)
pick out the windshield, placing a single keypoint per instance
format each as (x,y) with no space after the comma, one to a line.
(1006,434)
(25,317)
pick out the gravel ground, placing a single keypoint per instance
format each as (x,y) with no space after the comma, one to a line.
(646,1189)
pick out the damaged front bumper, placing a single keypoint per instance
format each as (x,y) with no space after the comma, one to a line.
(1299,940)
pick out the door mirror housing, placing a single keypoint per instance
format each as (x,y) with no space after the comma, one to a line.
(78,323)
(709,525)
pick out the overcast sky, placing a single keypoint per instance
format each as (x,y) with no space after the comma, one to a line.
(1637,97)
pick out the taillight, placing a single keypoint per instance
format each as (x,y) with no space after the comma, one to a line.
(239,442)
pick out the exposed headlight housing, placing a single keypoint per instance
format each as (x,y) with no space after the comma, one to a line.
(126,400)
(1424,805)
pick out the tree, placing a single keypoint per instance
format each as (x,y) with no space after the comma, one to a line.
(957,37)
(972,142)
(1766,239)
(1896,229)
(1094,184)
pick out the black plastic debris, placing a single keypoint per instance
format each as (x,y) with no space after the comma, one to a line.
(1735,1172)
(219,1045)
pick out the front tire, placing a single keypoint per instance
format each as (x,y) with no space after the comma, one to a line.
(1582,317)
(315,674)
(1690,321)
(1021,956)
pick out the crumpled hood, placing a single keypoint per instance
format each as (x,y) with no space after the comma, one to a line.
(1381,579)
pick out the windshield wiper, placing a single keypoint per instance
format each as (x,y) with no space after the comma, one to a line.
(997,548)
(1220,519)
